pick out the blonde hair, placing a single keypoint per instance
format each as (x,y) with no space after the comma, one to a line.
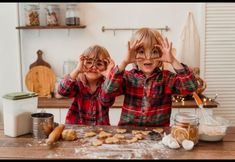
(97,51)
(148,36)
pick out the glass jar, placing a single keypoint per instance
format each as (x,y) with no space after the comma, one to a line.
(32,15)
(72,16)
(186,126)
(52,15)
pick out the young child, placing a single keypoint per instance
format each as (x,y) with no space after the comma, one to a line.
(148,88)
(90,106)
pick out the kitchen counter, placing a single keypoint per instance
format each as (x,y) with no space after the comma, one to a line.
(44,102)
(26,147)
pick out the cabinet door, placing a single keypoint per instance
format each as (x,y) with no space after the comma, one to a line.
(63,113)
(55,112)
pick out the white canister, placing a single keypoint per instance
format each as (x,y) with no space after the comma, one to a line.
(17,110)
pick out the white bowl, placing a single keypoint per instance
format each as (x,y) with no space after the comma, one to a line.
(215,131)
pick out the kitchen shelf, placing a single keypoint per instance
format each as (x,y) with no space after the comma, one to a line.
(51,27)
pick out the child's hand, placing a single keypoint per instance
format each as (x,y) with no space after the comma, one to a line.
(80,66)
(110,65)
(166,48)
(131,55)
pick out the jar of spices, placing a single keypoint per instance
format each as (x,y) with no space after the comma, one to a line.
(32,15)
(72,15)
(186,126)
(52,15)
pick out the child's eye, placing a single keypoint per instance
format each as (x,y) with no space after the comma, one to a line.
(156,53)
(88,62)
(141,52)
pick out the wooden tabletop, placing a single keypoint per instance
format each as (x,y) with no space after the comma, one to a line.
(44,102)
(26,147)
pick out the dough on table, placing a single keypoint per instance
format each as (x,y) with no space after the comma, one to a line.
(111,140)
(119,136)
(90,134)
(134,139)
(134,132)
(97,142)
(158,130)
(69,135)
(139,136)
(104,134)
(120,130)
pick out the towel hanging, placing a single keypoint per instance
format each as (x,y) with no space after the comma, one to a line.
(189,43)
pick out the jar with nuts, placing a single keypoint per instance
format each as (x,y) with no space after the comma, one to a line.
(32,15)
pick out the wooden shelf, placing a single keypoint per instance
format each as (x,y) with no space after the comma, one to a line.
(51,27)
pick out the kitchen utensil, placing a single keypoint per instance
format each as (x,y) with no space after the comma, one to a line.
(42,124)
(41,79)
(207,118)
(39,61)
(214,132)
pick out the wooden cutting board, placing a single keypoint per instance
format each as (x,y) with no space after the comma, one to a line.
(39,61)
(41,79)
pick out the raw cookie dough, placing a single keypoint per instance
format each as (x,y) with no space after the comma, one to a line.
(119,130)
(69,135)
(104,134)
(134,139)
(158,130)
(139,136)
(111,140)
(97,142)
(90,134)
(119,136)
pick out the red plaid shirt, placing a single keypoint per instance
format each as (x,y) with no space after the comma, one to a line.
(87,108)
(147,101)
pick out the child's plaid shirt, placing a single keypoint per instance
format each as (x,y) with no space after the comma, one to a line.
(87,108)
(147,101)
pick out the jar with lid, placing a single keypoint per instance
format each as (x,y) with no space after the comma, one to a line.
(32,15)
(72,16)
(185,127)
(52,14)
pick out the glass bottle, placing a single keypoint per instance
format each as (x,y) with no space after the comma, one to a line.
(72,16)
(185,126)
(32,15)
(52,15)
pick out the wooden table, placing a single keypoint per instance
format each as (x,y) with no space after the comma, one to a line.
(44,102)
(26,147)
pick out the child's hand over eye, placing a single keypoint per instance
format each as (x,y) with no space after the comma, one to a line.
(166,48)
(131,54)
(80,66)
(110,65)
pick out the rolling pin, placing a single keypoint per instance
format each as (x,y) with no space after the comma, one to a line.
(55,134)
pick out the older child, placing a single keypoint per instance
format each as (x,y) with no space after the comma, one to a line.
(148,87)
(90,106)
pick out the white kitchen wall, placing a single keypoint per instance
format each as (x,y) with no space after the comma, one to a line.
(61,44)
(9,51)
